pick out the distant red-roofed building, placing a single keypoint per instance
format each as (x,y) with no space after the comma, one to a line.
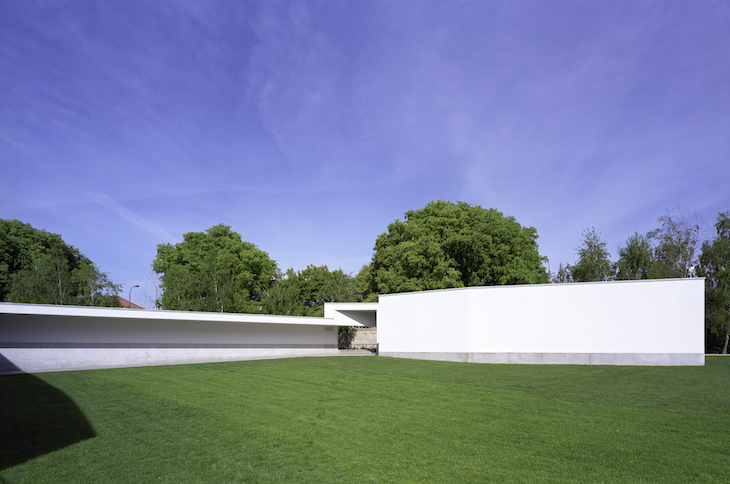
(125,304)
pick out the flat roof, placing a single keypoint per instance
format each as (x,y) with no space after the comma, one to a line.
(546,284)
(154,314)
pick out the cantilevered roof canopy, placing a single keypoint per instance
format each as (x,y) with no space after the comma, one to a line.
(162,315)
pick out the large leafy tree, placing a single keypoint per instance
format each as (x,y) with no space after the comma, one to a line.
(446,245)
(594,262)
(213,270)
(304,293)
(39,267)
(715,267)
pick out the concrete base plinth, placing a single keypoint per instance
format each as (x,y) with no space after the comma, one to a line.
(630,359)
(37,360)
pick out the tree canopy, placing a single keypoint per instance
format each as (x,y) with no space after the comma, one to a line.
(594,262)
(39,267)
(636,259)
(666,252)
(715,267)
(677,244)
(213,270)
(446,245)
(304,293)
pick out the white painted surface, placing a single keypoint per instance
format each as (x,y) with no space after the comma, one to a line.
(659,322)
(633,322)
(34,360)
(658,316)
(428,321)
(352,314)
(147,315)
(97,330)
(45,338)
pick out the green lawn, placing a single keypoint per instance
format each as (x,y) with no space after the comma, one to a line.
(368,419)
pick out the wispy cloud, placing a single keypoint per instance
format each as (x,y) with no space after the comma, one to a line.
(132,217)
(309,125)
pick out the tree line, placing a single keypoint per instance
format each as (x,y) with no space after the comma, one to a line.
(39,267)
(670,251)
(443,245)
(675,249)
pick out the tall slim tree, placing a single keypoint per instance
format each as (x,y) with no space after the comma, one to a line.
(594,262)
(677,244)
(715,267)
(564,274)
(636,259)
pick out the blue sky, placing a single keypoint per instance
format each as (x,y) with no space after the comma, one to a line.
(309,126)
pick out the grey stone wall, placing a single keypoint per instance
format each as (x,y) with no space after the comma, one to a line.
(365,338)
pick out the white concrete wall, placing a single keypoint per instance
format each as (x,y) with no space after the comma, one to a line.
(658,322)
(352,314)
(427,321)
(45,338)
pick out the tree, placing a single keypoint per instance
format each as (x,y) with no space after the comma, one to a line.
(677,244)
(715,267)
(447,245)
(636,259)
(593,259)
(38,267)
(564,274)
(213,271)
(304,293)
(152,290)
(283,296)
(363,284)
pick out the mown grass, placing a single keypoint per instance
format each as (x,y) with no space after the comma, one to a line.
(371,419)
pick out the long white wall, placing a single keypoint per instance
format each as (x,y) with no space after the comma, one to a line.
(45,338)
(657,322)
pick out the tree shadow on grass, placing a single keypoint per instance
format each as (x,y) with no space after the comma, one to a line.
(35,417)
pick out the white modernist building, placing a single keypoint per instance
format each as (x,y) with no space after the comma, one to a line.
(656,322)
